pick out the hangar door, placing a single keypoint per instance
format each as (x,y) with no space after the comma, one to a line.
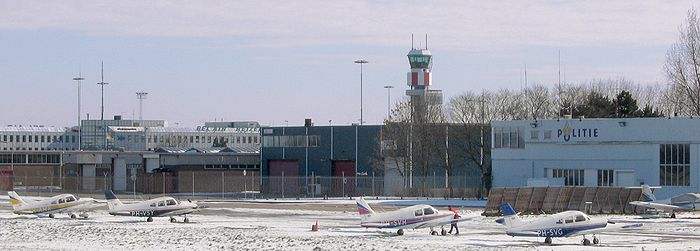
(284,177)
(343,178)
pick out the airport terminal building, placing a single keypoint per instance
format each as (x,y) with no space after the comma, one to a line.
(598,152)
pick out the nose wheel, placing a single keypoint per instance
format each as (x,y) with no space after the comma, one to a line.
(149,219)
(400,232)
(548,240)
(173,220)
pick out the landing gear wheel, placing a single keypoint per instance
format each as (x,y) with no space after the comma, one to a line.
(596,241)
(52,216)
(548,240)
(586,242)
(150,219)
(84,215)
(443,232)
(73,216)
(187,220)
(673,215)
(400,232)
(433,232)
(173,220)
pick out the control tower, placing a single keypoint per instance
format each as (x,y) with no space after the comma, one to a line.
(423,98)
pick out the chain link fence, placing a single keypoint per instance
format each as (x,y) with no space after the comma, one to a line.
(234,185)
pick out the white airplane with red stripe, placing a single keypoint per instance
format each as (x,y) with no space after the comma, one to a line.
(413,217)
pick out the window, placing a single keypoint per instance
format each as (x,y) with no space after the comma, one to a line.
(70,199)
(534,135)
(428,211)
(580,218)
(61,201)
(419,212)
(605,178)
(507,137)
(674,164)
(161,203)
(572,177)
(569,220)
(171,203)
(547,134)
(153,205)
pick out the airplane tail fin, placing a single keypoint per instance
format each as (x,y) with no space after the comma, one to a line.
(15,200)
(510,216)
(647,194)
(112,200)
(363,208)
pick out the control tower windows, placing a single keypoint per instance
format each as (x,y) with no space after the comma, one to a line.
(419,61)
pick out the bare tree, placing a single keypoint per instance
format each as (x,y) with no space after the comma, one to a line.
(683,64)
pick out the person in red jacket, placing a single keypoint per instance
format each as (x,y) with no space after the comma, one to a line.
(454,224)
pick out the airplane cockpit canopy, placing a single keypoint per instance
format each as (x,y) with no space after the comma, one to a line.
(171,202)
(70,198)
(429,211)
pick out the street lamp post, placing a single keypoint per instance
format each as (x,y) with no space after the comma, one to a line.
(361,62)
(388,100)
(79,79)
(102,84)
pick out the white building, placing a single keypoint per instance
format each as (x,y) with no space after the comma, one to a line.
(151,138)
(598,152)
(38,138)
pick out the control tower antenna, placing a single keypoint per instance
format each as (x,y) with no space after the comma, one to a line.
(426,41)
(412,47)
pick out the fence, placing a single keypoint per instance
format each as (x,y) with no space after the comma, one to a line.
(536,200)
(214,184)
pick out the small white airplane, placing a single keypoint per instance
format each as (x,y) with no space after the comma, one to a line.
(688,202)
(564,224)
(64,203)
(413,217)
(158,207)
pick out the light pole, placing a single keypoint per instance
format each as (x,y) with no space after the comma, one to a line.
(102,84)
(79,79)
(361,62)
(388,101)
(141,96)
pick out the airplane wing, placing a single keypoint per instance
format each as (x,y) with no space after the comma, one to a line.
(442,221)
(610,227)
(657,206)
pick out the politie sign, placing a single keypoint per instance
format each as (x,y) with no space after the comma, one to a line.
(568,132)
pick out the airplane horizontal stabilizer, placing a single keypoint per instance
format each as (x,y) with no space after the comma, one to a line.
(507,210)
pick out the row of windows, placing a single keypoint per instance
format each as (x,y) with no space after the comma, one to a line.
(535,134)
(508,137)
(39,138)
(193,139)
(231,166)
(30,158)
(572,177)
(37,148)
(292,141)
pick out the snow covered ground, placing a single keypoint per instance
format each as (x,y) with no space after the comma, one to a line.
(286,226)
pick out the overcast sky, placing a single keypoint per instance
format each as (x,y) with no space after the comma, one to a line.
(272,61)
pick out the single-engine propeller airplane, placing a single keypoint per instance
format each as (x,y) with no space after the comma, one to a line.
(564,224)
(679,203)
(158,207)
(64,203)
(413,217)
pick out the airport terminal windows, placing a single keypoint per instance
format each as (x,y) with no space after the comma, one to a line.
(674,164)
(605,178)
(572,177)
